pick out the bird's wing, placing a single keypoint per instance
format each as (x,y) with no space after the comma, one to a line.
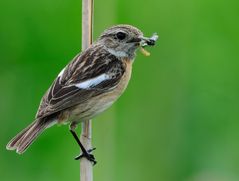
(89,74)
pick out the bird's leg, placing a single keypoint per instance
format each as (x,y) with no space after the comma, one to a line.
(85,153)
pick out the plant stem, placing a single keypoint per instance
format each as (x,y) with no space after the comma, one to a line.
(86,167)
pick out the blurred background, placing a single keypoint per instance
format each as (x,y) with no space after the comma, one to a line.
(178,119)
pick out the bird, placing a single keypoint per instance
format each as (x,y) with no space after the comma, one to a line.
(87,86)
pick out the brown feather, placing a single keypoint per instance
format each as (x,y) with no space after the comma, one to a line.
(64,94)
(26,137)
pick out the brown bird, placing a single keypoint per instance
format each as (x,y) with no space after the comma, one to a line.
(87,86)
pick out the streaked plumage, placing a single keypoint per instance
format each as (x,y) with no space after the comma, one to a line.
(88,85)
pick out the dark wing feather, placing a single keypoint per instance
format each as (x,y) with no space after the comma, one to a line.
(91,63)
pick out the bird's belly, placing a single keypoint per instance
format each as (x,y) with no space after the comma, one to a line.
(93,108)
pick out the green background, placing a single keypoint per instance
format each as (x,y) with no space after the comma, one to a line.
(178,119)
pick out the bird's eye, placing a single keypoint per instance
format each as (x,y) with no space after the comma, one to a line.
(121,35)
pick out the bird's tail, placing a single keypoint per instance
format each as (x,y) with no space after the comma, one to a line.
(25,138)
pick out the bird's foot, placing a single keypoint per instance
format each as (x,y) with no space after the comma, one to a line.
(88,156)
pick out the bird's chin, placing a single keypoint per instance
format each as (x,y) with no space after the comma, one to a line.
(133,49)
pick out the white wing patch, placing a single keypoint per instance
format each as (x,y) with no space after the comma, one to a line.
(93,82)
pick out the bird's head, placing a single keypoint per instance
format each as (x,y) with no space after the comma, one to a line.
(123,40)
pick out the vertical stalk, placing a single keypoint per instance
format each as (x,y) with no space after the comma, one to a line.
(87,23)
(86,167)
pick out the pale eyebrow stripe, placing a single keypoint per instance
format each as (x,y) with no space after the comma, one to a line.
(93,82)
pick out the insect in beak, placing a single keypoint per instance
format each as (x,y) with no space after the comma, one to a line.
(147,42)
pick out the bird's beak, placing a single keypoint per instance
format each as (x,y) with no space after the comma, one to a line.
(147,42)
(135,40)
(144,41)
